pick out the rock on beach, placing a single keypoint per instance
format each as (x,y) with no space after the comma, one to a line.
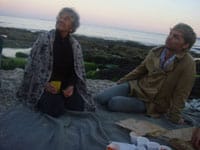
(10,81)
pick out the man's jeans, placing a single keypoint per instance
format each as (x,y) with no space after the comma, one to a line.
(117,99)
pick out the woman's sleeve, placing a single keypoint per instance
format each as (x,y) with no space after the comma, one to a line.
(30,66)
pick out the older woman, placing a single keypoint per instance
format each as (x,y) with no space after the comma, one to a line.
(54,78)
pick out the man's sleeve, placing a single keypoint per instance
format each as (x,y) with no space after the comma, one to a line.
(138,72)
(182,92)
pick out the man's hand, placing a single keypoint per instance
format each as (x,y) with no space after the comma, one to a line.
(119,81)
(50,88)
(68,91)
(171,118)
(181,121)
(196,138)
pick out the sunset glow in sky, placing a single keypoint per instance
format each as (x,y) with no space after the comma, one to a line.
(147,15)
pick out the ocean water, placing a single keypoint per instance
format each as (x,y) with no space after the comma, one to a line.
(111,33)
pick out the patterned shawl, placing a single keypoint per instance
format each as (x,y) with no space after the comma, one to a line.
(39,69)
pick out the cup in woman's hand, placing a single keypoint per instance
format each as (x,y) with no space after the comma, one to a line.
(56,85)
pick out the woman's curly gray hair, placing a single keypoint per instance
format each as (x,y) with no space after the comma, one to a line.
(74,16)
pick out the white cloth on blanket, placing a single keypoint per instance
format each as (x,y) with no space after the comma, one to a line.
(193,105)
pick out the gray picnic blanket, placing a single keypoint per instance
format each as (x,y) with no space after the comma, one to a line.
(191,112)
(22,129)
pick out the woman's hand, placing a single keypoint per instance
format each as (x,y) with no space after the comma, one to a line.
(68,91)
(50,88)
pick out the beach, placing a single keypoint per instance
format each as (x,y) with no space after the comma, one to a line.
(105,59)
(156,106)
(118,57)
(113,58)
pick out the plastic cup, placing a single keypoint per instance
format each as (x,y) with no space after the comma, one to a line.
(142,141)
(112,146)
(153,146)
(120,146)
(164,147)
(140,148)
(56,84)
(133,137)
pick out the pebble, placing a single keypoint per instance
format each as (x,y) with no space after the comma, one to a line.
(10,81)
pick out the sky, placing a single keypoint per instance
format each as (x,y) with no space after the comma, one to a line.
(146,15)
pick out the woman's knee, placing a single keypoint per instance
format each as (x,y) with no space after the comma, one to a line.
(51,105)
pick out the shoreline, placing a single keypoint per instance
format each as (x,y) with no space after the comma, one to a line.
(148,38)
(91,30)
(31,35)
(24,39)
(28,36)
(11,52)
(113,58)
